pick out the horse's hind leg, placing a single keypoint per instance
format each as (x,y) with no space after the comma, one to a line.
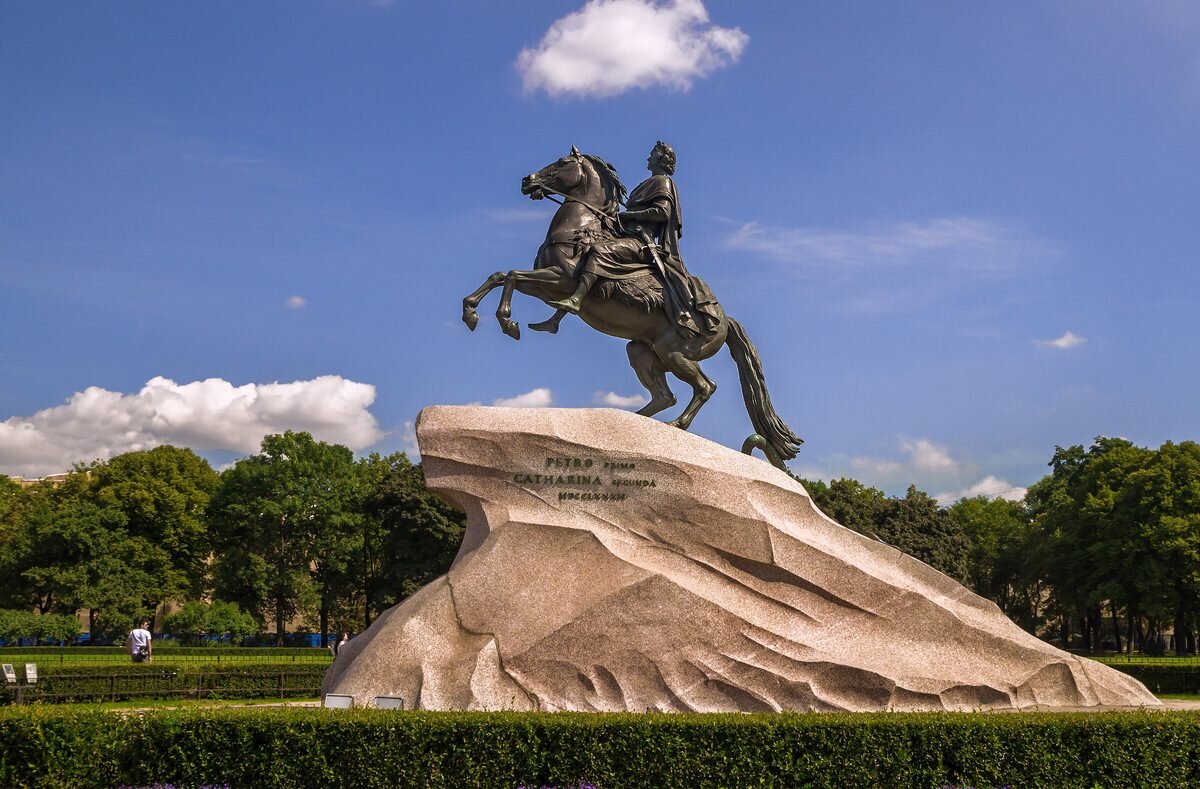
(653,375)
(702,386)
(471,302)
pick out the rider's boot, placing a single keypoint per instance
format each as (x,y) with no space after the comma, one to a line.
(574,302)
(551,324)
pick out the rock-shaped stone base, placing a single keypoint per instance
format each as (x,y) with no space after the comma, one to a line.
(614,563)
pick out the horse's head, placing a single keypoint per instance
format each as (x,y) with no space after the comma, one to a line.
(565,176)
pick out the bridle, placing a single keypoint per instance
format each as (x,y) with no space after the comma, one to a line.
(599,212)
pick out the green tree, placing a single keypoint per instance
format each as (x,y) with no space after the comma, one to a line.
(1089,543)
(1161,499)
(42,628)
(163,494)
(850,503)
(915,524)
(278,520)
(918,526)
(998,533)
(412,535)
(196,622)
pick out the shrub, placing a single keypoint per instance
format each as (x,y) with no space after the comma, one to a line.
(16,625)
(196,622)
(50,747)
(117,682)
(168,646)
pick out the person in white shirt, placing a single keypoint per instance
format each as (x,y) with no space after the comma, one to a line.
(140,643)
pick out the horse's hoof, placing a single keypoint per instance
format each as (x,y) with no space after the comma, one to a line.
(470,318)
(511,328)
(678,423)
(550,326)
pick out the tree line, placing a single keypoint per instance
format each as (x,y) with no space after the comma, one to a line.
(301,529)
(1102,553)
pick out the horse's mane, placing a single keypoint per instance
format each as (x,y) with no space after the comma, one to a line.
(614,190)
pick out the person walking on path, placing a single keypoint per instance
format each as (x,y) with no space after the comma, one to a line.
(140,643)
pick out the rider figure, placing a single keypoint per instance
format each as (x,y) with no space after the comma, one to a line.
(650,229)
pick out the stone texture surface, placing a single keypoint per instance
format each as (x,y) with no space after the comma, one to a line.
(714,584)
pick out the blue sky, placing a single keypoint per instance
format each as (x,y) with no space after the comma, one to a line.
(959,233)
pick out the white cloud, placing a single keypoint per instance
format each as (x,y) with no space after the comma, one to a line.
(990,486)
(1068,340)
(295,302)
(923,463)
(620,401)
(927,456)
(538,398)
(610,46)
(962,243)
(205,415)
(408,441)
(925,459)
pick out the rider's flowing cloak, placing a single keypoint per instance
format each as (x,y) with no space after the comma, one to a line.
(689,301)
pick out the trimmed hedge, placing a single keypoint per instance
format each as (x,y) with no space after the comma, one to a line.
(165,646)
(149,681)
(46,747)
(1163,679)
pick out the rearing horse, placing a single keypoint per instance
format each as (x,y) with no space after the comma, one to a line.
(632,308)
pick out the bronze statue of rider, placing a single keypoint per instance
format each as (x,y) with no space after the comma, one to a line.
(650,228)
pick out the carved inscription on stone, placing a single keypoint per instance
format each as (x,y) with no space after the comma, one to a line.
(586,478)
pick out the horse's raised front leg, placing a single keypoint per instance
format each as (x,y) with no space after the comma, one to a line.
(471,302)
(522,281)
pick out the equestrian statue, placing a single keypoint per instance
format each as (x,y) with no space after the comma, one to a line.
(622,273)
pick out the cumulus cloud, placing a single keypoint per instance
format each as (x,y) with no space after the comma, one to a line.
(924,463)
(537,398)
(990,487)
(1069,339)
(205,415)
(610,46)
(924,458)
(620,401)
(964,243)
(295,302)
(928,456)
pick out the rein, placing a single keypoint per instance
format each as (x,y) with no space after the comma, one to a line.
(600,212)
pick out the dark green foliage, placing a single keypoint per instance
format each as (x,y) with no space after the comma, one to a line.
(118,538)
(303,748)
(109,682)
(915,524)
(195,622)
(163,494)
(999,533)
(412,534)
(283,524)
(1117,528)
(45,628)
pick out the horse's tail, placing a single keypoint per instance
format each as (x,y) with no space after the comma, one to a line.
(754,390)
